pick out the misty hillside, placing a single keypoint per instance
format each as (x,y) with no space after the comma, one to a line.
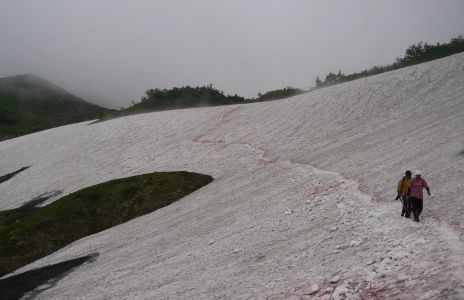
(183,97)
(29,103)
(302,203)
(193,97)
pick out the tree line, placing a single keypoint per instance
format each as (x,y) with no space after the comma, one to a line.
(188,97)
(183,97)
(414,54)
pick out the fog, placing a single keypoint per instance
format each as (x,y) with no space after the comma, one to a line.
(110,52)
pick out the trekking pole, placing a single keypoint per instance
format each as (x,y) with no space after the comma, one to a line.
(402,201)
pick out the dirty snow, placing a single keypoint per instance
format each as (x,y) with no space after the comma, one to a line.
(302,203)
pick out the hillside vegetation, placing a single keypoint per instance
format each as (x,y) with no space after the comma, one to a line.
(188,97)
(29,103)
(88,211)
(183,97)
(279,94)
(415,54)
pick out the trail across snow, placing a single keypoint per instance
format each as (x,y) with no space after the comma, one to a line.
(301,206)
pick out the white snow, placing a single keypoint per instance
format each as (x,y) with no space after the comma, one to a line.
(303,194)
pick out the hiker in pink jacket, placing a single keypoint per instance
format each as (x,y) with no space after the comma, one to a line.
(416,196)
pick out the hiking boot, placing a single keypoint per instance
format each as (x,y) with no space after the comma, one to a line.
(402,213)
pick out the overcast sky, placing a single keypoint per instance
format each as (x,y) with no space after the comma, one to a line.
(110,52)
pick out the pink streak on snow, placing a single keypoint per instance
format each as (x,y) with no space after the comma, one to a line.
(225,117)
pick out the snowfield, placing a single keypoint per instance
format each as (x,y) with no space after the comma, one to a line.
(302,205)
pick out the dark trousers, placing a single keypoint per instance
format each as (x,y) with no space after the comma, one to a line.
(416,206)
(406,211)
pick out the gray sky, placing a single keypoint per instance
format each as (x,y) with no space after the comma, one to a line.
(110,52)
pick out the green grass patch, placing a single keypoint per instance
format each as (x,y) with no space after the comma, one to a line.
(89,211)
(11,216)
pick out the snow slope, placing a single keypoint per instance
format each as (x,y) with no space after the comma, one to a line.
(302,202)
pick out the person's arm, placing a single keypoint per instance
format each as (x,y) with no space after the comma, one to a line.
(399,188)
(426,187)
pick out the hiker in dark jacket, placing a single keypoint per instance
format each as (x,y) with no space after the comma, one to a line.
(402,189)
(416,196)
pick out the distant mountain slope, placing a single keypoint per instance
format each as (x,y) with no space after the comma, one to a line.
(29,103)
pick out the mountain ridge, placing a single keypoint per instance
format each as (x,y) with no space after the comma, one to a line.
(29,103)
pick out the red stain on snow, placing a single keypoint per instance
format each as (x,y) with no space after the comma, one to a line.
(225,117)
(265,159)
(363,188)
(363,289)
(435,217)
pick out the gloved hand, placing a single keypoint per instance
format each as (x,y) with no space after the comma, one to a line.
(428,192)
(397,197)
